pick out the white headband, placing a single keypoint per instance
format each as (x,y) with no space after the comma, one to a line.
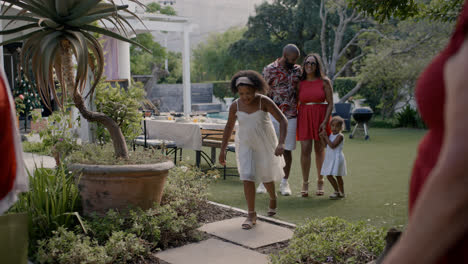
(244,80)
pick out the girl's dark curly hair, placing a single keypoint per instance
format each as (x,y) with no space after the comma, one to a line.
(259,84)
(319,71)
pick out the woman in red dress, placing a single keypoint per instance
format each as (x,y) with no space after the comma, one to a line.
(315,107)
(437,230)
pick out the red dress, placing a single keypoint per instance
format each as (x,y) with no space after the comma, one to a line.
(430,96)
(309,117)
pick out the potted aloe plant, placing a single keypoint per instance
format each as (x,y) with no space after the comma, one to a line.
(56,33)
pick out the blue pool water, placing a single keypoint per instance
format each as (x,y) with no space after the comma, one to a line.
(219,115)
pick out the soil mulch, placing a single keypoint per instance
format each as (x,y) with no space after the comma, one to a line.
(213,213)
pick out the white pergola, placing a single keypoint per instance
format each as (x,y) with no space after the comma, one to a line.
(157,22)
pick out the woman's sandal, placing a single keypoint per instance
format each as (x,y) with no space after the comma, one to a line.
(305,189)
(250,221)
(319,191)
(272,207)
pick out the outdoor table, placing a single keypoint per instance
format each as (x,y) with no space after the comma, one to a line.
(185,134)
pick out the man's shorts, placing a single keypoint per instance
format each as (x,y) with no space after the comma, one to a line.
(290,142)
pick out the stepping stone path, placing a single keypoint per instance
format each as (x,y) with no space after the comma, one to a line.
(235,245)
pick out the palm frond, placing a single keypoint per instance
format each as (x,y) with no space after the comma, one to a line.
(18,29)
(99,54)
(83,8)
(111,34)
(18,39)
(21,18)
(87,19)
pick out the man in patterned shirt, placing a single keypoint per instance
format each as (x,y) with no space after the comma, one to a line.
(283,76)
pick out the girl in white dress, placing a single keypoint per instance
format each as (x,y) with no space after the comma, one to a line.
(258,151)
(334,164)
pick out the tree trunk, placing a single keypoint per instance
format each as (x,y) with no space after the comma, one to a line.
(118,140)
(352,92)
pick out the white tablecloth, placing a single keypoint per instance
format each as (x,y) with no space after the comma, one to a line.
(185,135)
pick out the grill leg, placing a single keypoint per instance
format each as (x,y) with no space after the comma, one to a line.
(365,131)
(354,130)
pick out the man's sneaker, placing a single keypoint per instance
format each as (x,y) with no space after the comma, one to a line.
(261,188)
(284,188)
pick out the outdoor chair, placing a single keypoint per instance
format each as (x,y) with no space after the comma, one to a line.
(169,147)
(213,139)
(230,148)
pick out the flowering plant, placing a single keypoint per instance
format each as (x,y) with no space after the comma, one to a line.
(19,104)
(58,135)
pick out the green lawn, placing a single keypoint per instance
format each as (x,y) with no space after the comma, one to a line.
(376,185)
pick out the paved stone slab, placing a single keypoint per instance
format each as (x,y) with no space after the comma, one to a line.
(212,251)
(262,234)
(31,159)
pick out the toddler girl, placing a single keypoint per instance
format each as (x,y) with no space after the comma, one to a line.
(334,164)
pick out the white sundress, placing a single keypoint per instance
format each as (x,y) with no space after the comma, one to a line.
(334,162)
(255,147)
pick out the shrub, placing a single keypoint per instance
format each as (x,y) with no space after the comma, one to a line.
(36,147)
(69,248)
(126,237)
(409,117)
(125,247)
(51,202)
(104,155)
(332,240)
(122,106)
(222,89)
(171,224)
(343,85)
(378,122)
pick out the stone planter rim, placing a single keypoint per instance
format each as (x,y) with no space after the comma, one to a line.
(89,168)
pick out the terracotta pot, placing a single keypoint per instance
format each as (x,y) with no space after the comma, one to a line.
(104,187)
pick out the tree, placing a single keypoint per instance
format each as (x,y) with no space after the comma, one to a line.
(212,60)
(327,27)
(334,45)
(390,71)
(55,32)
(274,25)
(154,7)
(174,67)
(441,10)
(142,62)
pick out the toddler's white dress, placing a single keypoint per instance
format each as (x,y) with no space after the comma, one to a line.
(255,147)
(334,162)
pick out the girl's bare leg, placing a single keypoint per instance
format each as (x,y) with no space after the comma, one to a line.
(340,184)
(333,182)
(270,186)
(249,192)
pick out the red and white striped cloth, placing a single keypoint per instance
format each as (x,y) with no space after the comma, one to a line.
(13,178)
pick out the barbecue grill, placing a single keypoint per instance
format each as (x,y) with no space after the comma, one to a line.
(362,115)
